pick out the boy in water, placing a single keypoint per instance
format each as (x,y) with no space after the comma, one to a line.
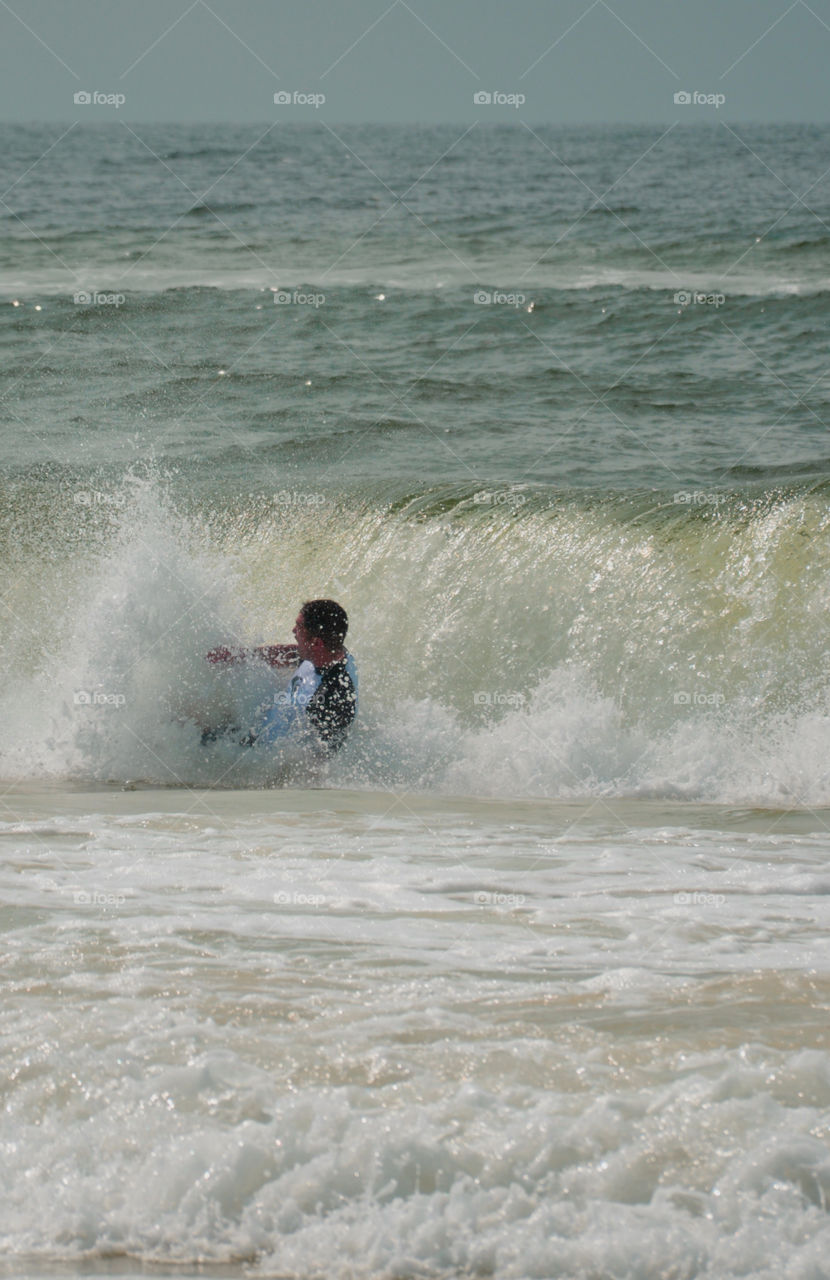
(322,696)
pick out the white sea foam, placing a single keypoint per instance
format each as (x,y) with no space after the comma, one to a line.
(344,1035)
(421,277)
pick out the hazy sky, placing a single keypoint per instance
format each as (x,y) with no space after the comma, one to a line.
(415,60)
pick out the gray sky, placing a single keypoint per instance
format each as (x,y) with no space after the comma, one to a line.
(415,60)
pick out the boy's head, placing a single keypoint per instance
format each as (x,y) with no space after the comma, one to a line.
(320,629)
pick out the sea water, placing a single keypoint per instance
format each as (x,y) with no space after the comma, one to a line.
(531,979)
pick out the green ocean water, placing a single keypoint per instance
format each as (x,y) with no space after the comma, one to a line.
(531,979)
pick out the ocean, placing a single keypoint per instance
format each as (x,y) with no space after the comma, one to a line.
(531,979)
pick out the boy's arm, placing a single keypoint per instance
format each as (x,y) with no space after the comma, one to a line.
(278,655)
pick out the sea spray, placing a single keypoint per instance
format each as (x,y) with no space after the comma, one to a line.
(548,644)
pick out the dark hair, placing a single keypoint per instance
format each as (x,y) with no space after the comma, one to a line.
(326,619)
